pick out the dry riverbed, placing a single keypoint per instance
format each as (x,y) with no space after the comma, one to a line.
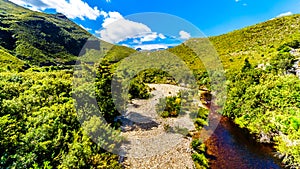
(149,143)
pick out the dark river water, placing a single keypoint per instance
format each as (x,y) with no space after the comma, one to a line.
(230,147)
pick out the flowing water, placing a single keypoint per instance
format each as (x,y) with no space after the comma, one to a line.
(229,147)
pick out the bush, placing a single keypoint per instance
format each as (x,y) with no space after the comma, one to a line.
(171,105)
(139,90)
(201,119)
(294,44)
(200,159)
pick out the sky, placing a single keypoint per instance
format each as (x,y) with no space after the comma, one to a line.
(151,24)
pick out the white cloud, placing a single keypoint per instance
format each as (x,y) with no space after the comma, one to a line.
(238,1)
(72,8)
(184,35)
(37,3)
(34,5)
(149,37)
(152,46)
(161,36)
(87,29)
(136,41)
(284,14)
(110,18)
(119,30)
(104,14)
(116,28)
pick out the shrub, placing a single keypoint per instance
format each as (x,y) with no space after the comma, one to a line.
(171,105)
(200,159)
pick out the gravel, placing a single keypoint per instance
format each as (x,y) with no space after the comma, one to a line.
(150,145)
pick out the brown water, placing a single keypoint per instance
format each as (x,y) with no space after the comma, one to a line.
(230,147)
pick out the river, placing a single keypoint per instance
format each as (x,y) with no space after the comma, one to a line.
(230,147)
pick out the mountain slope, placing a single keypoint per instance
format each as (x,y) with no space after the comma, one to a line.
(37,110)
(43,39)
(9,62)
(259,43)
(38,38)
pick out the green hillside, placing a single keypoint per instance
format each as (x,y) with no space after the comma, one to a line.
(38,121)
(9,62)
(38,38)
(264,101)
(259,43)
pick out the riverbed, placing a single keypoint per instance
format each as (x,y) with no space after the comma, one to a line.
(230,147)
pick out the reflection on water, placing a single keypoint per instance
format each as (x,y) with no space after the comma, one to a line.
(229,147)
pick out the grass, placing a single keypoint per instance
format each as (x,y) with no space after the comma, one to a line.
(9,62)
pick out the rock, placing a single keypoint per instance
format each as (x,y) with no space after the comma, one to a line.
(264,138)
(149,144)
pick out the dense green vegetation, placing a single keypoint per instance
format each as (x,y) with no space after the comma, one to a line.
(266,102)
(155,76)
(258,43)
(103,92)
(138,89)
(39,126)
(199,155)
(9,62)
(38,38)
(262,100)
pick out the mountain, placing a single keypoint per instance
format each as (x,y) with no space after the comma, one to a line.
(259,42)
(39,126)
(38,38)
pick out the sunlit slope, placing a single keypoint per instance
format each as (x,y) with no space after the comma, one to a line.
(42,39)
(38,38)
(258,43)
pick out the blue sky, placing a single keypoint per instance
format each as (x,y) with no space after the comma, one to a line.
(211,17)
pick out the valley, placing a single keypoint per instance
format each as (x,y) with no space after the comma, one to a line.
(44,73)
